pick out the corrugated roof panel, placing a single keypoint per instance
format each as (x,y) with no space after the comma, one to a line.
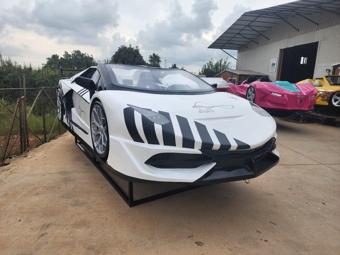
(254,24)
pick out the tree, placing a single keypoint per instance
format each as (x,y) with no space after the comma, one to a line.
(53,61)
(212,68)
(174,66)
(154,60)
(127,55)
(13,75)
(75,60)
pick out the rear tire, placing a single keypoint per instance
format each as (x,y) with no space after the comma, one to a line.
(60,105)
(99,130)
(251,94)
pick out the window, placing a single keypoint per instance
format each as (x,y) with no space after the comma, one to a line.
(157,79)
(96,76)
(333,80)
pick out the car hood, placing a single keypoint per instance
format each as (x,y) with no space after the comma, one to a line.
(233,116)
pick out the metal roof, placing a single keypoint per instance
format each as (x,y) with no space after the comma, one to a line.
(254,24)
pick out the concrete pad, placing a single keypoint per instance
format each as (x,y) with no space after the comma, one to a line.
(54,201)
(310,142)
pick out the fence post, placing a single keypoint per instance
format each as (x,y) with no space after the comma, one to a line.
(9,133)
(42,110)
(21,129)
(24,84)
(25,123)
(23,132)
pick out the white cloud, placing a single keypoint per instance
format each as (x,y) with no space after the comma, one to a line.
(177,28)
(179,31)
(179,36)
(82,22)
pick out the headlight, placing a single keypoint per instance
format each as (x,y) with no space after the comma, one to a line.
(154,117)
(276,94)
(259,110)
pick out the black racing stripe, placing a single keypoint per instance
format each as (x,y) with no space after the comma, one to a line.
(223,140)
(81,91)
(207,142)
(168,131)
(129,117)
(241,145)
(149,130)
(83,94)
(188,137)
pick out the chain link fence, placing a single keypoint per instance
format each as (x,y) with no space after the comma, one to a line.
(28,118)
(28,115)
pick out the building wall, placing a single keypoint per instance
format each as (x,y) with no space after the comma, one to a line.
(260,57)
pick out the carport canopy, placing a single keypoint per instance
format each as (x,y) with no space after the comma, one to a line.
(254,24)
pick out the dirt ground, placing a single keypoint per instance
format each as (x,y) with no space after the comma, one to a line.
(54,201)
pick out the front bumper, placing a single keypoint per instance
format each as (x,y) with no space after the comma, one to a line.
(145,162)
(229,166)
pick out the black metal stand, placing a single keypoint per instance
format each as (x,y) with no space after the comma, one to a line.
(128,195)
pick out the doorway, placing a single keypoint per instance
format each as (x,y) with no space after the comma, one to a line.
(297,63)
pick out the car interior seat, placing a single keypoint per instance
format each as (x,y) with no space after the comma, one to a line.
(251,79)
(265,79)
(146,80)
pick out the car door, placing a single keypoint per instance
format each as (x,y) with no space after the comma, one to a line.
(81,102)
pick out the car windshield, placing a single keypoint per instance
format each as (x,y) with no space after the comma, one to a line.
(333,80)
(158,79)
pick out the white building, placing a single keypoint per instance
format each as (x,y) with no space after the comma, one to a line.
(291,42)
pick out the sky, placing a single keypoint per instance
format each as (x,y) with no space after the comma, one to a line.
(180,31)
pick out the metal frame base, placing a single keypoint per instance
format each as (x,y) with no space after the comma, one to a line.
(127,195)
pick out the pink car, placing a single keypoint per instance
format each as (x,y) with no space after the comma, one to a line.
(278,96)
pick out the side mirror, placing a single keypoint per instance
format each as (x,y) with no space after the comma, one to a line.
(214,85)
(85,83)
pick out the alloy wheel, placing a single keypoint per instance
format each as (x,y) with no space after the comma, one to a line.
(336,99)
(99,130)
(251,94)
(59,105)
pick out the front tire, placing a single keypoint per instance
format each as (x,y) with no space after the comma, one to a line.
(335,100)
(99,131)
(251,94)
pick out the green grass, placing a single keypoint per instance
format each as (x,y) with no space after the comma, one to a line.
(35,127)
(34,121)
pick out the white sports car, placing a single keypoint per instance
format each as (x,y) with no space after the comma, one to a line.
(166,125)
